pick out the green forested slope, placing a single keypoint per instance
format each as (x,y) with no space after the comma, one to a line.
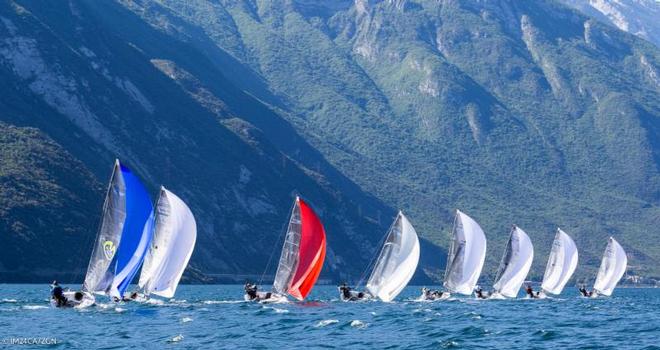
(522,112)
(516,112)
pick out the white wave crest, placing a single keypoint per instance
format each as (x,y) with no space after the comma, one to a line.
(326,322)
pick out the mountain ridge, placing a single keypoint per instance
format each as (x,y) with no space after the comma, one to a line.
(526,113)
(638,17)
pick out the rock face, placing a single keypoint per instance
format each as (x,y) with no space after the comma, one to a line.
(638,17)
(79,90)
(515,112)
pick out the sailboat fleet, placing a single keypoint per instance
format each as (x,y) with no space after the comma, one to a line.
(160,239)
(133,234)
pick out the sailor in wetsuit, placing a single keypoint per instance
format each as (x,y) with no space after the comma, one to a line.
(133,296)
(530,291)
(428,294)
(584,291)
(480,293)
(252,294)
(57,294)
(347,294)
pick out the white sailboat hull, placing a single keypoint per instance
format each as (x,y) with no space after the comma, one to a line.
(87,300)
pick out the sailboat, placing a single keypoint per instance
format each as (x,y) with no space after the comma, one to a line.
(121,241)
(514,266)
(612,268)
(466,256)
(174,236)
(562,262)
(301,260)
(396,263)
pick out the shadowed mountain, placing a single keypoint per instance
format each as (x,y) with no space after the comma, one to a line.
(515,112)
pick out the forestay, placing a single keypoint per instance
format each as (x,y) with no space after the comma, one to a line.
(303,253)
(466,255)
(515,264)
(174,236)
(396,262)
(612,268)
(562,262)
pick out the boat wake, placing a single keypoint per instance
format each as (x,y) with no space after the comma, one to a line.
(213,302)
(34,307)
(275,309)
(324,323)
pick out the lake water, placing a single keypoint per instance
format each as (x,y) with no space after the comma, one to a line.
(211,317)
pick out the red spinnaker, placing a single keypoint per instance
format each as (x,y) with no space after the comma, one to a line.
(312,252)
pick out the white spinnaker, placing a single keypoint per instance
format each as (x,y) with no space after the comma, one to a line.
(515,264)
(396,262)
(175,233)
(466,255)
(612,268)
(562,262)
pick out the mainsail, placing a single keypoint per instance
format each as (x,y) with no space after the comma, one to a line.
(466,255)
(562,262)
(515,264)
(303,253)
(174,236)
(612,268)
(99,275)
(121,240)
(396,262)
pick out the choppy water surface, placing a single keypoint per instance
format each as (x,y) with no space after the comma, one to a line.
(213,317)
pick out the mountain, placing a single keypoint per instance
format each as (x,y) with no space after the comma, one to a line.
(83,83)
(638,17)
(515,112)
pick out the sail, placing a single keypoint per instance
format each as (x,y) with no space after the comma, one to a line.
(135,235)
(99,275)
(396,262)
(515,264)
(612,268)
(466,255)
(289,256)
(175,233)
(562,262)
(303,253)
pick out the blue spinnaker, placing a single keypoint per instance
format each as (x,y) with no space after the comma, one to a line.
(136,233)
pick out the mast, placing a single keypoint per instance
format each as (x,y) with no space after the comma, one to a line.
(515,263)
(387,242)
(451,253)
(506,259)
(97,266)
(466,256)
(396,262)
(289,257)
(375,258)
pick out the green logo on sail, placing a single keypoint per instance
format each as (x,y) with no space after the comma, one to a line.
(109,249)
